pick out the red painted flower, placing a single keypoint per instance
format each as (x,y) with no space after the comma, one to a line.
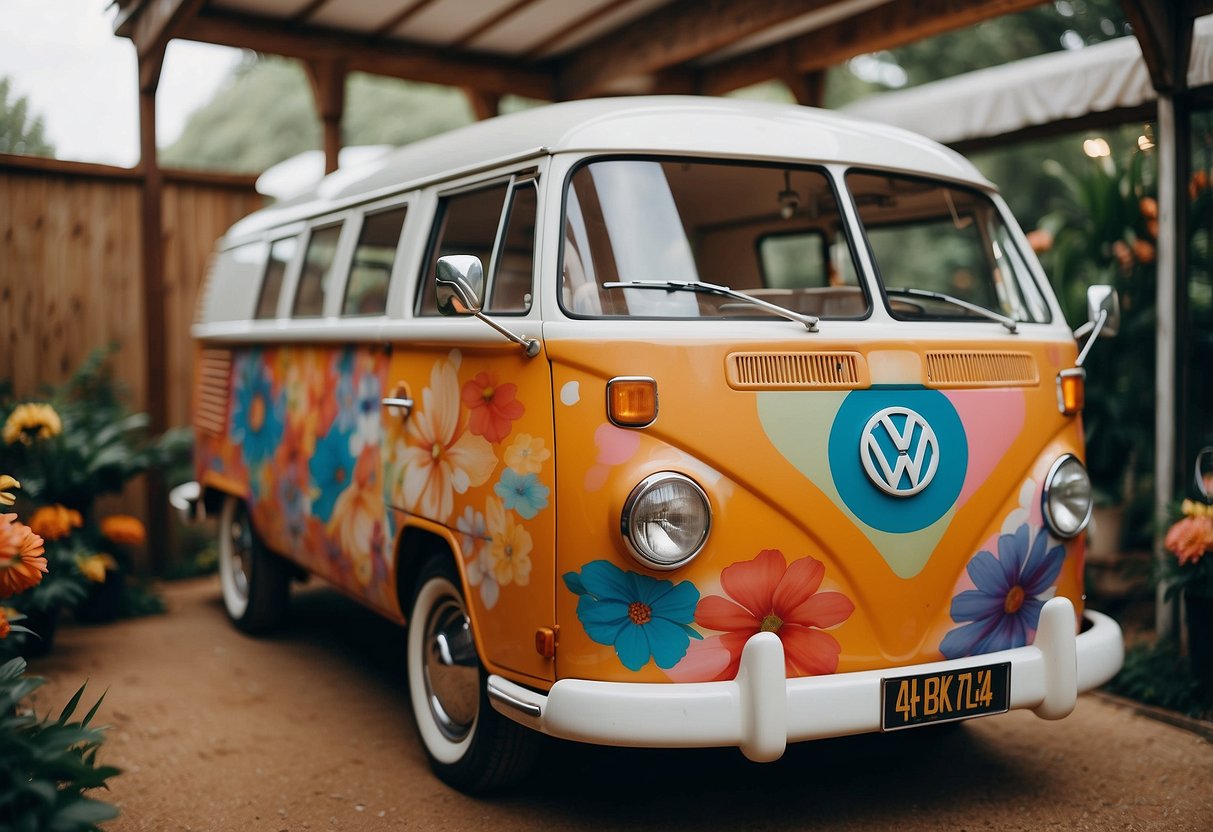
(767,594)
(492,406)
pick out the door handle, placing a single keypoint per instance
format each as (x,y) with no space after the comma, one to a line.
(401,403)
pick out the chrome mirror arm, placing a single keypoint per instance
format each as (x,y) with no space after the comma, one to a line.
(529,345)
(1094,328)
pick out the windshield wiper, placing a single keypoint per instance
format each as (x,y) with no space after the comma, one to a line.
(1009,323)
(809,321)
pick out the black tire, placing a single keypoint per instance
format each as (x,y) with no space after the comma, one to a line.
(470,746)
(255,581)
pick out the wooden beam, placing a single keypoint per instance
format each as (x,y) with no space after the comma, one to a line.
(152,24)
(887,27)
(1164,31)
(492,21)
(538,50)
(388,26)
(327,77)
(673,34)
(394,58)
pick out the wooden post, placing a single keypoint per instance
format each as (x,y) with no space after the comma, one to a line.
(484,104)
(328,88)
(152,269)
(809,89)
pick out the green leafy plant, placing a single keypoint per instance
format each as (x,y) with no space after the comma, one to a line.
(1157,674)
(1105,231)
(46,765)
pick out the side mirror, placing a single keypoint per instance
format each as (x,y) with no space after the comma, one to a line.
(1100,299)
(458,284)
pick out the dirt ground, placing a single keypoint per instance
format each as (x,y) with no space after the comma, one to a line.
(311,730)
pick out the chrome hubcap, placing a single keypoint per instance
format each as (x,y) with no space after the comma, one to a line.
(452,671)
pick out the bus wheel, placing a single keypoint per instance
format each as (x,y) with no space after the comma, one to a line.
(255,581)
(470,746)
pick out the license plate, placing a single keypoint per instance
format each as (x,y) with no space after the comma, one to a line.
(945,696)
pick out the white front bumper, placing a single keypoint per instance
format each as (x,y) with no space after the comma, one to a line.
(761,711)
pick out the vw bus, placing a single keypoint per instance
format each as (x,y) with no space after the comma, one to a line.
(660,422)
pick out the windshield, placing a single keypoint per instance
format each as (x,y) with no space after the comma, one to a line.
(939,248)
(770,232)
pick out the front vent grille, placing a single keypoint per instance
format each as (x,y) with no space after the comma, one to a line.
(797,371)
(981,369)
(211,392)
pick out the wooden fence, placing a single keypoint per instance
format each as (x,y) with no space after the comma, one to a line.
(71,280)
(70,270)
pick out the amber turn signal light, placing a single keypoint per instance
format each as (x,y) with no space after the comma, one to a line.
(1071,390)
(632,401)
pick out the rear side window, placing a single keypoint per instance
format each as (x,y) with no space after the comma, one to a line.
(466,223)
(316,279)
(371,269)
(281,254)
(509,289)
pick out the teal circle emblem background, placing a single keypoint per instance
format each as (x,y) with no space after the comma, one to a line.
(859,494)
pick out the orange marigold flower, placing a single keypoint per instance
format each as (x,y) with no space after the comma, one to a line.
(21,563)
(7,498)
(1200,182)
(1143,250)
(123,529)
(1040,239)
(55,522)
(95,566)
(1148,206)
(4,625)
(1190,538)
(31,421)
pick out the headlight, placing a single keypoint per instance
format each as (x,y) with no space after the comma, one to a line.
(666,520)
(1067,497)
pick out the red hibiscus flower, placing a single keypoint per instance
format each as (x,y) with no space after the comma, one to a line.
(492,406)
(767,594)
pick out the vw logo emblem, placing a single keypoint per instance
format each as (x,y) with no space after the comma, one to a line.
(899,451)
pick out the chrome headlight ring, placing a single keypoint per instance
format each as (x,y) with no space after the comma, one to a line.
(1066,500)
(666,520)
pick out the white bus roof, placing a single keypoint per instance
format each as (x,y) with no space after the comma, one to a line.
(676,125)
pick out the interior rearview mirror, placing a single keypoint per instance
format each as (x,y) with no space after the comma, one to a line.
(1103,298)
(458,284)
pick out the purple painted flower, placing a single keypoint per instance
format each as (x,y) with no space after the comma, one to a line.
(1011,590)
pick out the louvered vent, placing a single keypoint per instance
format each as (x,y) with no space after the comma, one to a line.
(796,371)
(211,392)
(981,369)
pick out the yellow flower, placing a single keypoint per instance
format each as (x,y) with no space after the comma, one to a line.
(526,454)
(95,566)
(1191,508)
(55,522)
(32,421)
(21,563)
(123,529)
(509,545)
(7,498)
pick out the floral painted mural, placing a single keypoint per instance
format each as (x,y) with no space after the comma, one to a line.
(644,618)
(1009,589)
(458,461)
(305,430)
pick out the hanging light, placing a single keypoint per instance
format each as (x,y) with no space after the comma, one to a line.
(789,200)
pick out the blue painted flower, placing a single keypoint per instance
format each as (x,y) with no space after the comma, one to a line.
(257,419)
(641,617)
(344,392)
(1011,590)
(332,470)
(523,493)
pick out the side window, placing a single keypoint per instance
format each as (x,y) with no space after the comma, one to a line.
(366,288)
(281,253)
(510,286)
(465,223)
(317,275)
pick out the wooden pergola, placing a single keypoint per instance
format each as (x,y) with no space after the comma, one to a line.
(567,49)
